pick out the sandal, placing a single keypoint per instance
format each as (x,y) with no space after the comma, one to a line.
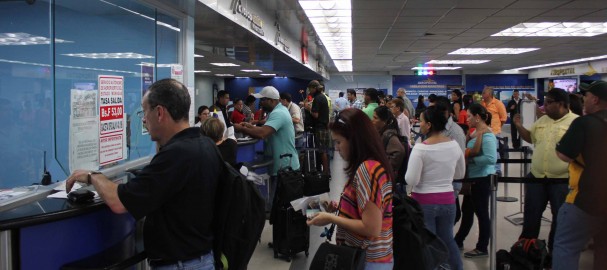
(475,254)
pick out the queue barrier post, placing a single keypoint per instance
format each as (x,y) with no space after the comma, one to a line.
(493,246)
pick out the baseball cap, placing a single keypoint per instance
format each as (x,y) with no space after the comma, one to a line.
(268,92)
(597,88)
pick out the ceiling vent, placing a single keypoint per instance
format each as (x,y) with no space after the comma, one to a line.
(348,78)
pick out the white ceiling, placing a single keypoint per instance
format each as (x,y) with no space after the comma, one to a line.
(392,36)
(396,35)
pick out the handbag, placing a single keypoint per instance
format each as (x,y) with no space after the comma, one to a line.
(334,257)
(338,257)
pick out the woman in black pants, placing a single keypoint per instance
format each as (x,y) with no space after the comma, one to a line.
(481,152)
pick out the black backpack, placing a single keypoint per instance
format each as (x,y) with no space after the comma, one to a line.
(414,247)
(531,253)
(238,221)
(402,170)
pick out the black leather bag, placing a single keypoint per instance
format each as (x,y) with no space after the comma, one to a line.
(290,185)
(81,196)
(334,257)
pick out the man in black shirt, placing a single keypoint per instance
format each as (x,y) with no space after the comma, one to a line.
(514,108)
(584,214)
(319,112)
(176,191)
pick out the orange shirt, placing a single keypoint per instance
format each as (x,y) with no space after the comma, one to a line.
(498,114)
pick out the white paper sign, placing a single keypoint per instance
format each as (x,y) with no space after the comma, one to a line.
(84,130)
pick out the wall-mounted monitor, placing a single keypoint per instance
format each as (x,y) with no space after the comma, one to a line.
(569,84)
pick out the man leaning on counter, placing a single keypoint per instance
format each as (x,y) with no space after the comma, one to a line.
(171,187)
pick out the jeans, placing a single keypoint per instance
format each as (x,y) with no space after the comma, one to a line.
(205,262)
(379,266)
(537,197)
(439,220)
(574,230)
(480,204)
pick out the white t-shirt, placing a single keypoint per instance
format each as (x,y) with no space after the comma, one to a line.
(404,125)
(432,167)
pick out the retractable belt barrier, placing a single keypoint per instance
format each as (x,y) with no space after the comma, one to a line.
(494,179)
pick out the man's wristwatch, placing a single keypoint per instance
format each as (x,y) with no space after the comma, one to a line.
(89,176)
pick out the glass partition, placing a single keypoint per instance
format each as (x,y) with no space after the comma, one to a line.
(92,38)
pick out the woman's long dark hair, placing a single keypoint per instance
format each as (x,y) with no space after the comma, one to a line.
(384,114)
(364,142)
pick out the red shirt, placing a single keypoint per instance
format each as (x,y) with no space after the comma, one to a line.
(237,117)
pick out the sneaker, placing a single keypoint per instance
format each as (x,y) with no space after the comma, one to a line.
(475,254)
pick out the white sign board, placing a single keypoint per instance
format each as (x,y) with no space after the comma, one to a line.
(84,125)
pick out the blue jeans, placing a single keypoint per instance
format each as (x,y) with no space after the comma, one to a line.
(379,266)
(537,197)
(439,220)
(574,230)
(205,262)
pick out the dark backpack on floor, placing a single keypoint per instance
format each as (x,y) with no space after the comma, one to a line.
(238,221)
(415,247)
(531,253)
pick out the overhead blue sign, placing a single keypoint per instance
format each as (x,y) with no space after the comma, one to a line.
(425,85)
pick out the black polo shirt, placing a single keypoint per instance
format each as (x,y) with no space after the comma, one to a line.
(321,106)
(176,194)
(586,142)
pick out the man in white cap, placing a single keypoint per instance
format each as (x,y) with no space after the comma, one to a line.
(278,129)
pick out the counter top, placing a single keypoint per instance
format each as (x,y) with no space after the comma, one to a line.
(44,211)
(247,142)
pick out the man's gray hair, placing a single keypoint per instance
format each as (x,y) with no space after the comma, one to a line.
(172,95)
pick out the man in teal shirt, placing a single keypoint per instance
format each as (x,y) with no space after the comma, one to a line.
(278,129)
(371,101)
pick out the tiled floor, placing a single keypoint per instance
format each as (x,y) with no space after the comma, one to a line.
(507,234)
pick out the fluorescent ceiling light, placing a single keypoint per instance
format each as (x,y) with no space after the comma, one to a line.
(475,51)
(225,75)
(127,55)
(72,67)
(251,70)
(198,55)
(554,29)
(240,77)
(343,65)
(332,21)
(457,62)
(201,71)
(225,64)
(564,62)
(159,65)
(435,68)
(26,39)
(268,74)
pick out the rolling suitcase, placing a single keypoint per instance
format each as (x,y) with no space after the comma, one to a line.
(314,181)
(290,234)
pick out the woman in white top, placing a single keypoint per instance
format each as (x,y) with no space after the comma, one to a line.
(433,165)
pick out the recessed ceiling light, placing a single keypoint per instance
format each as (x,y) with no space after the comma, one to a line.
(250,70)
(554,29)
(201,71)
(240,77)
(72,67)
(225,64)
(225,75)
(198,55)
(267,74)
(564,62)
(26,39)
(458,62)
(435,68)
(126,55)
(475,51)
